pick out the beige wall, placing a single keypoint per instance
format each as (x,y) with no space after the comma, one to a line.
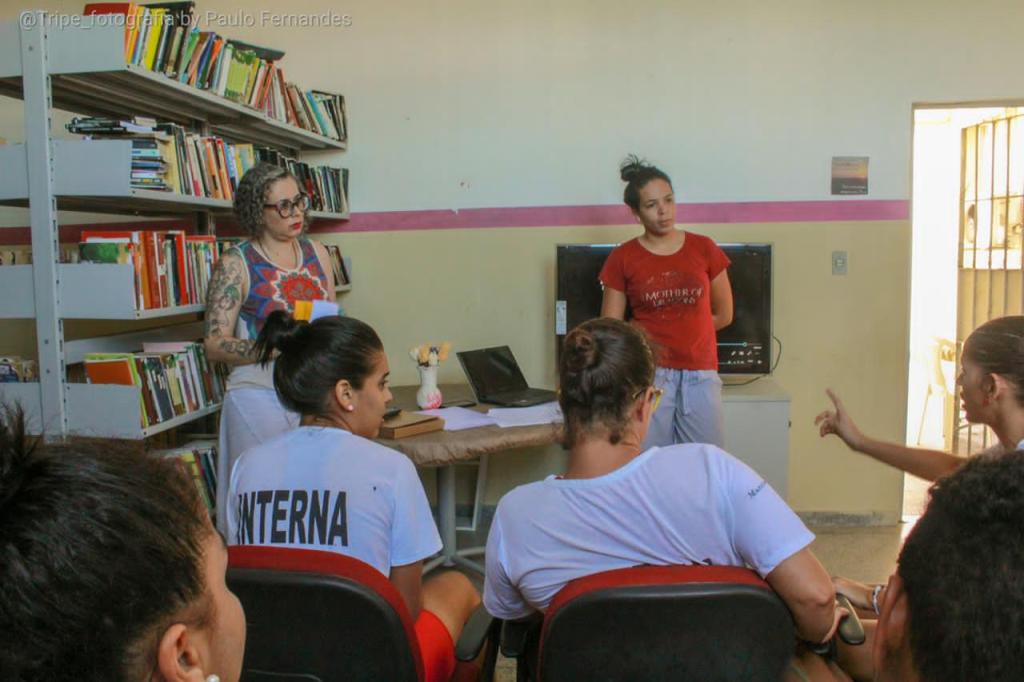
(461,104)
(491,286)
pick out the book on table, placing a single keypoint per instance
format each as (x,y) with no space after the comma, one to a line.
(406,424)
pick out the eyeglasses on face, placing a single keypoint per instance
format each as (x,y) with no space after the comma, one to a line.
(285,207)
(656,394)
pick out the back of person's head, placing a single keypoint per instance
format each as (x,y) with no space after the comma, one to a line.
(315,356)
(605,364)
(101,550)
(636,173)
(997,347)
(962,570)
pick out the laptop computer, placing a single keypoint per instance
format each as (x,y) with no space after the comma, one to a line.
(495,377)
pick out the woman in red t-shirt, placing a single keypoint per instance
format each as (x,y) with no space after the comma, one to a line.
(678,290)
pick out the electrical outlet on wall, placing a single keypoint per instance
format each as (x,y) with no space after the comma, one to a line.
(839,262)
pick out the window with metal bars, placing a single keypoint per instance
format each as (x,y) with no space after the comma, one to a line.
(990,275)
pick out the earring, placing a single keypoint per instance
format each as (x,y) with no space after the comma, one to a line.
(213,678)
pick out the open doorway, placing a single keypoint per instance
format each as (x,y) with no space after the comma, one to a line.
(962,270)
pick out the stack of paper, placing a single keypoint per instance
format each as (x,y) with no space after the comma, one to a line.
(546,413)
(459,418)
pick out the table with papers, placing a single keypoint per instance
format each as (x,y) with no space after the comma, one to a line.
(476,437)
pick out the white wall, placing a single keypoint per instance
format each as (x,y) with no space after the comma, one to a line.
(467,104)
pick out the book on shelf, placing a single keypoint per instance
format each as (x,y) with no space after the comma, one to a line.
(199,459)
(334,105)
(106,251)
(174,378)
(163,37)
(149,168)
(341,276)
(265,53)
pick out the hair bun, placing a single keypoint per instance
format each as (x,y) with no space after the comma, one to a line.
(293,338)
(283,333)
(631,167)
(583,351)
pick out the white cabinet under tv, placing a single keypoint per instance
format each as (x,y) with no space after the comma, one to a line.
(756,420)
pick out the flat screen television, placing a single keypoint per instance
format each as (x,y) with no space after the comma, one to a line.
(744,347)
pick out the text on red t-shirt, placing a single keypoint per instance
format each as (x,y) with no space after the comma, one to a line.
(670,297)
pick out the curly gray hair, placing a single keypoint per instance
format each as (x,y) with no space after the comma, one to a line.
(251,195)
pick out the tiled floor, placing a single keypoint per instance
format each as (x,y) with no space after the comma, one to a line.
(867,554)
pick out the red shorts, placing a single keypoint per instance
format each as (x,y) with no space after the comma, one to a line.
(436,647)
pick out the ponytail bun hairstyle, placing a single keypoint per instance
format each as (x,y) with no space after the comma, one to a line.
(605,362)
(997,347)
(315,356)
(101,547)
(636,173)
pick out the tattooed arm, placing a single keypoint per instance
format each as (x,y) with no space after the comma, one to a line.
(223,303)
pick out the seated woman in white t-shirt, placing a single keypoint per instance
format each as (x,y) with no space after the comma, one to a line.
(991,391)
(325,485)
(616,506)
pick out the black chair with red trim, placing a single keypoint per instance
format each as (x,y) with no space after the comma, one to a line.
(679,623)
(322,616)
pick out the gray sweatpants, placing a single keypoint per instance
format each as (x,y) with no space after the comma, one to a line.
(690,409)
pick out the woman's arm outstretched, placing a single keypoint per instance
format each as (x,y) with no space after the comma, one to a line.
(924,463)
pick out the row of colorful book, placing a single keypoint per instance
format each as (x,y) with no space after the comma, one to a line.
(171,268)
(167,157)
(199,459)
(164,38)
(174,378)
(326,186)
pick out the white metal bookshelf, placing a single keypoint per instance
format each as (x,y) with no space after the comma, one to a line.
(88,74)
(81,68)
(95,175)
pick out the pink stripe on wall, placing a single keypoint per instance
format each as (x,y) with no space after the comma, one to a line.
(557,216)
(618,214)
(796,211)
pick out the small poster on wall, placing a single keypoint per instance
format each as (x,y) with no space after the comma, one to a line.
(849,175)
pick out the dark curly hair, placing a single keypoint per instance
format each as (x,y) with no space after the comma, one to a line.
(315,356)
(998,348)
(101,548)
(963,572)
(605,362)
(251,196)
(636,173)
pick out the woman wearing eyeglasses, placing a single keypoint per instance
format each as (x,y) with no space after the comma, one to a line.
(273,269)
(618,505)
